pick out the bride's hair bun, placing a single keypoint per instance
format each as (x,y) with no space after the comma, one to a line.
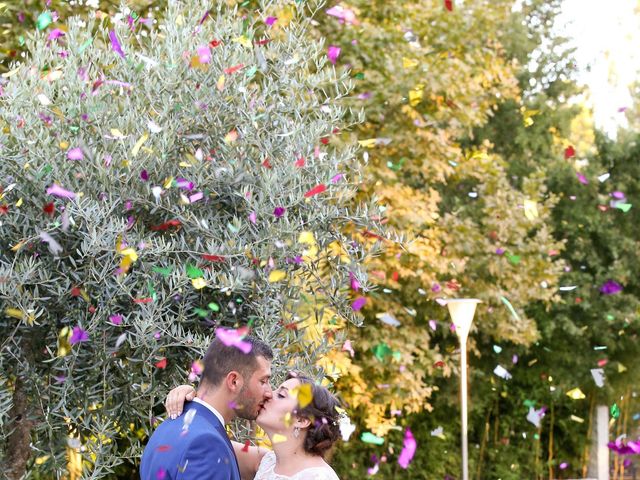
(324,430)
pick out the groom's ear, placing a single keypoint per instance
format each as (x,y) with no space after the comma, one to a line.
(234,381)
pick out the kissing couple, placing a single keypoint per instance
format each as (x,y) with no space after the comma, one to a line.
(195,445)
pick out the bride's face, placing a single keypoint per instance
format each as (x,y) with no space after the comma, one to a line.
(277,415)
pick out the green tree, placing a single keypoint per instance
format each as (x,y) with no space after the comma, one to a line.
(158,181)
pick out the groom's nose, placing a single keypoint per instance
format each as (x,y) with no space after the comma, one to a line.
(268,393)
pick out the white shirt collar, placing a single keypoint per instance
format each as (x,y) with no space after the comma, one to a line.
(215,412)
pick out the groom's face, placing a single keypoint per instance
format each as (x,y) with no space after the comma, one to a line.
(255,391)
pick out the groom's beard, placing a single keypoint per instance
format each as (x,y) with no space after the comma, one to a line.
(247,407)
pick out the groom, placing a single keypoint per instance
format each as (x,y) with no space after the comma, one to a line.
(196,445)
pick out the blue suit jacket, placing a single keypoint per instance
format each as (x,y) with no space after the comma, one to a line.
(201,450)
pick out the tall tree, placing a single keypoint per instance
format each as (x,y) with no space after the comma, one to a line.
(157,182)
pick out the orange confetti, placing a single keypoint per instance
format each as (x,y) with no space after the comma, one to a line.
(233,69)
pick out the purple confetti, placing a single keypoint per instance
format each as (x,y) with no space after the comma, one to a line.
(78,335)
(333,52)
(279,211)
(116,319)
(358,303)
(610,287)
(144,175)
(115,44)
(270,21)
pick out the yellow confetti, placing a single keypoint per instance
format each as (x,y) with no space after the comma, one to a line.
(64,145)
(199,283)
(287,419)
(168,182)
(277,275)
(43,458)
(220,83)
(19,203)
(415,95)
(368,143)
(306,237)
(304,394)
(11,73)
(576,394)
(277,438)
(530,209)
(243,40)
(621,368)
(409,62)
(116,133)
(130,252)
(64,347)
(577,419)
(136,147)
(14,313)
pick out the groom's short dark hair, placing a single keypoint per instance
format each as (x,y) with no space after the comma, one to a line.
(221,359)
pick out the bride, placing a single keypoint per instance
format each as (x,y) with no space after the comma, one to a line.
(301,436)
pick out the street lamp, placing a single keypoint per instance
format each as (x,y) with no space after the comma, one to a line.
(461,311)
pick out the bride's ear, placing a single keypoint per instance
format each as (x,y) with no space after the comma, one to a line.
(301,422)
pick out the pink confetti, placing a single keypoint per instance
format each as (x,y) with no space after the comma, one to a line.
(58,191)
(204,54)
(75,154)
(116,319)
(337,178)
(333,53)
(271,20)
(115,44)
(78,335)
(358,303)
(233,338)
(161,474)
(253,217)
(354,283)
(433,325)
(195,197)
(582,179)
(55,34)
(408,449)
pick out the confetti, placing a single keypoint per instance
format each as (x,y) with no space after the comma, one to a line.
(510,307)
(277,275)
(502,372)
(409,447)
(569,152)
(278,212)
(610,287)
(44,20)
(368,437)
(233,338)
(75,154)
(161,364)
(78,335)
(58,191)
(270,21)
(303,393)
(54,246)
(333,52)
(388,319)
(315,190)
(115,44)
(535,416)
(598,376)
(448,4)
(358,303)
(576,394)
(116,319)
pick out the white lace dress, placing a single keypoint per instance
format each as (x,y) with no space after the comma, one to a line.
(268,463)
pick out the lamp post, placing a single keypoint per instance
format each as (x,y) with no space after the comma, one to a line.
(462,311)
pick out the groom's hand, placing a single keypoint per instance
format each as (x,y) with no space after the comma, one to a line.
(176,398)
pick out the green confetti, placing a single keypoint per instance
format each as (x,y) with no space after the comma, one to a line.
(44,20)
(194,272)
(510,307)
(164,271)
(529,403)
(214,307)
(21,40)
(497,348)
(251,72)
(85,45)
(615,411)
(515,259)
(152,291)
(381,350)
(201,312)
(359,76)
(625,207)
(368,437)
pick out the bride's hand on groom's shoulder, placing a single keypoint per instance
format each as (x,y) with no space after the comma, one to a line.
(176,399)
